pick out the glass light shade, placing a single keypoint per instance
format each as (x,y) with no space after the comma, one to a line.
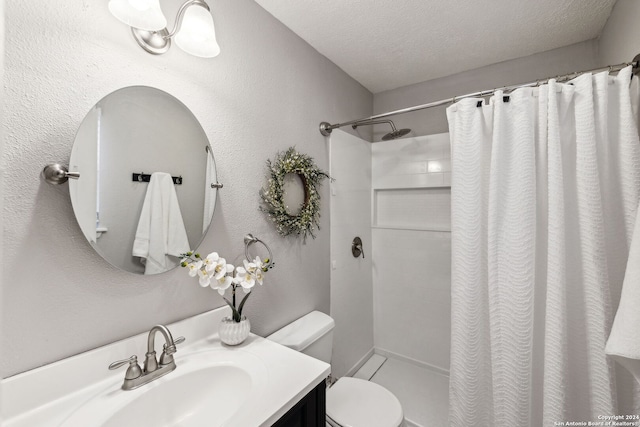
(197,35)
(142,14)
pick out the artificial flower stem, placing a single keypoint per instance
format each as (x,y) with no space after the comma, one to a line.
(242,303)
(233,292)
(236,313)
(236,316)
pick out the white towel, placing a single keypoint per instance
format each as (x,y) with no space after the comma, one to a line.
(161,231)
(624,341)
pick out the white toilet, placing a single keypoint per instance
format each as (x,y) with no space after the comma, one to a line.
(351,402)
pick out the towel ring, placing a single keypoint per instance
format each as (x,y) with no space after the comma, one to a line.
(249,239)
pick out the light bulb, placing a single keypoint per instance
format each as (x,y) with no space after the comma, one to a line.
(140,5)
(197,34)
(142,14)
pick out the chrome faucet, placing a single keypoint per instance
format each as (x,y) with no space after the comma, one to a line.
(153,369)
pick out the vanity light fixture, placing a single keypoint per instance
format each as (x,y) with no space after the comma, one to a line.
(193,30)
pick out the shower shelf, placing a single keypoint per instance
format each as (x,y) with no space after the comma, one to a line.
(419,209)
(435,228)
(410,187)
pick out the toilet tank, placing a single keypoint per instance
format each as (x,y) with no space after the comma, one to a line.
(311,334)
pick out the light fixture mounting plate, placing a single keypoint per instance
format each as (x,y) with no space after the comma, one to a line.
(154,42)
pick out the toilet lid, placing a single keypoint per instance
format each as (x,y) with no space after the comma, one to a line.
(353,402)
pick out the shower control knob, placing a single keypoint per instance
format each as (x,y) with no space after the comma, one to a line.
(356,247)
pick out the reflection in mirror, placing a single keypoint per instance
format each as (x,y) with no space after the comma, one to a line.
(210,191)
(293,193)
(142,130)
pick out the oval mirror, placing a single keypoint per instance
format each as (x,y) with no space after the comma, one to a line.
(120,201)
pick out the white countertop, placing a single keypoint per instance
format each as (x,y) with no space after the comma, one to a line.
(47,396)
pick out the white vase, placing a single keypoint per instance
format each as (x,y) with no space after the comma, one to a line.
(234,333)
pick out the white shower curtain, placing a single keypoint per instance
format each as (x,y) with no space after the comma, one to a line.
(545,187)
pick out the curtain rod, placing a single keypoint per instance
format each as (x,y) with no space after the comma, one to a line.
(326,128)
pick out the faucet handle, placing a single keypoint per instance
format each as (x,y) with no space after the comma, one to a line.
(119,363)
(167,351)
(170,349)
(133,371)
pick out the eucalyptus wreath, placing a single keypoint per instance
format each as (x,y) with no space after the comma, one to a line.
(272,195)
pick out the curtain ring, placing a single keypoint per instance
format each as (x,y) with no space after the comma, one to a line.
(249,239)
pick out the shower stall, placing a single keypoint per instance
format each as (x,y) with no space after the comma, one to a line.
(392,306)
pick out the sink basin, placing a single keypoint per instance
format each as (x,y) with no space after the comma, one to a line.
(206,389)
(175,402)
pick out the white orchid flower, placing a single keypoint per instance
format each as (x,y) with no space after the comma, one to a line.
(222,284)
(259,276)
(211,261)
(250,267)
(259,263)
(194,267)
(245,279)
(205,277)
(260,270)
(221,268)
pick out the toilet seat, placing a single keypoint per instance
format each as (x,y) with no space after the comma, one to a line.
(353,402)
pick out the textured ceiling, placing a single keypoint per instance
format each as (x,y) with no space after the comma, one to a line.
(386,44)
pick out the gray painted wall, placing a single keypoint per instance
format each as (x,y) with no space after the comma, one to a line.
(620,38)
(580,56)
(267,90)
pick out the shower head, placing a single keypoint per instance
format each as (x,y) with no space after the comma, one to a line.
(394,134)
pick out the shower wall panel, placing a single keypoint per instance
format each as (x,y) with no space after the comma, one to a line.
(351,290)
(412,249)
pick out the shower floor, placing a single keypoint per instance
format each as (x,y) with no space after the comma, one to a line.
(423,393)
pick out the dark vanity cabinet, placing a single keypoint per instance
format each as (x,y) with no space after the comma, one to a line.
(310,411)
